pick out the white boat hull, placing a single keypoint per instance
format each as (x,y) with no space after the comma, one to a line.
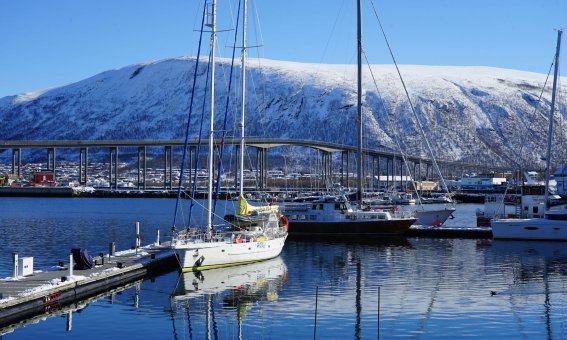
(433,217)
(530,229)
(194,256)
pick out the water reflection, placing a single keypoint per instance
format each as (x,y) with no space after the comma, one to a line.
(537,267)
(234,289)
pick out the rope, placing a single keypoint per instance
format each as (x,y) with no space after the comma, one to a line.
(396,139)
(409,100)
(189,119)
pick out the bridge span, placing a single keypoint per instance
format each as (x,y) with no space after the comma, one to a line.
(378,162)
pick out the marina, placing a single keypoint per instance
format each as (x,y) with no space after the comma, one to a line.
(282,170)
(428,284)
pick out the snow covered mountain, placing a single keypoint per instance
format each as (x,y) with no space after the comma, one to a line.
(473,114)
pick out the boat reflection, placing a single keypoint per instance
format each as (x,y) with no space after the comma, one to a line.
(199,294)
(538,266)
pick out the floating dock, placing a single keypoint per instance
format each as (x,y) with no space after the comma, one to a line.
(449,232)
(49,291)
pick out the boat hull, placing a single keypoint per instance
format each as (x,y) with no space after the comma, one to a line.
(209,255)
(351,227)
(530,229)
(433,217)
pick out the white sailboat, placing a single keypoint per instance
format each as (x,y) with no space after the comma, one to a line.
(222,246)
(553,224)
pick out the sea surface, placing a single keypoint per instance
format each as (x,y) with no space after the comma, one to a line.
(414,288)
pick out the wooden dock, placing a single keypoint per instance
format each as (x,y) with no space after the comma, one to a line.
(49,291)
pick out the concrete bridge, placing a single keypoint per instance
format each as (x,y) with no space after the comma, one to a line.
(378,162)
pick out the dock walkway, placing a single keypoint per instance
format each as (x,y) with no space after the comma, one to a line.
(45,291)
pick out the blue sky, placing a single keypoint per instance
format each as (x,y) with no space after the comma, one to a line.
(53,43)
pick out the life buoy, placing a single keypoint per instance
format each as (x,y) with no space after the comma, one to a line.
(284,222)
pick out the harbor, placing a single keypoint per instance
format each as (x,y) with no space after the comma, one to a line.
(280,170)
(419,280)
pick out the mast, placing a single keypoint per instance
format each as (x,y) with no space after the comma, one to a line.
(550,131)
(243,77)
(212,24)
(359,104)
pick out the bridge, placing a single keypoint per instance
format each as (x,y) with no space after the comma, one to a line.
(378,162)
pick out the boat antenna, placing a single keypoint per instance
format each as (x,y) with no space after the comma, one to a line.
(359,104)
(551,114)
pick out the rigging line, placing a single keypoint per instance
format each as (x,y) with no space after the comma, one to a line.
(189,119)
(543,88)
(396,139)
(410,102)
(520,160)
(227,106)
(199,141)
(332,32)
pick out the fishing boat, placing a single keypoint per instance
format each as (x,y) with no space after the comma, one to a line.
(550,224)
(333,214)
(230,244)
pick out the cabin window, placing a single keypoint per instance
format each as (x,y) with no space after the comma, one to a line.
(337,206)
(293,217)
(536,210)
(313,217)
(531,228)
(321,206)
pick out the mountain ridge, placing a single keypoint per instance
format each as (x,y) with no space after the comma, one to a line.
(471,114)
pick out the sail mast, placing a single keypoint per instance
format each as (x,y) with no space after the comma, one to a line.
(243,77)
(212,24)
(359,104)
(550,130)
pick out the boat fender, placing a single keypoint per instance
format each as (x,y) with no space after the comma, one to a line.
(284,222)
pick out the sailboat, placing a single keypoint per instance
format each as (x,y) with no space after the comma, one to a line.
(553,224)
(227,245)
(333,215)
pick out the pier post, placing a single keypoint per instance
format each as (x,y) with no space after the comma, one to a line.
(15,265)
(17,162)
(83,165)
(113,168)
(71,264)
(111,250)
(51,161)
(142,168)
(167,168)
(387,174)
(347,170)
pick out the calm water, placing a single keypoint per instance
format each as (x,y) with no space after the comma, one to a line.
(429,288)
